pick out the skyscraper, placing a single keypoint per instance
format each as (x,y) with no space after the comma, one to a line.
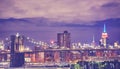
(104,37)
(63,39)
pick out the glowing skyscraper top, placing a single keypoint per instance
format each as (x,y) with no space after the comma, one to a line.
(104,37)
(104,28)
(104,33)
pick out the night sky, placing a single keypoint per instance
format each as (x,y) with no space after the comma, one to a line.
(43,19)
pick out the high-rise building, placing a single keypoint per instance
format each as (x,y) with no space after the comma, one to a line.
(104,38)
(63,39)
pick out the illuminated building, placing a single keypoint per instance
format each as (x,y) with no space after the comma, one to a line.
(116,44)
(63,56)
(93,42)
(39,56)
(63,39)
(104,38)
(75,56)
(33,57)
(1,45)
(57,56)
(49,56)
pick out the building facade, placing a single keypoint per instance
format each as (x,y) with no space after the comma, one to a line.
(63,39)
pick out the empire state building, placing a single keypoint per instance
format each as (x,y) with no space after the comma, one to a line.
(104,37)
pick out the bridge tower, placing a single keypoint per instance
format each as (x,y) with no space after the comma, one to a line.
(17,56)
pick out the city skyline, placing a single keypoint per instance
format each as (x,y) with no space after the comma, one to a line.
(65,34)
(82,19)
(81,36)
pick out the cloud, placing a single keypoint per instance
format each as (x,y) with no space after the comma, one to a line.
(111,4)
(111,9)
(61,10)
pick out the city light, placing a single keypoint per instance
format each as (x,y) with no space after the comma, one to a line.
(51,41)
(61,53)
(17,34)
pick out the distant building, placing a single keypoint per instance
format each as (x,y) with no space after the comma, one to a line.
(93,42)
(116,44)
(1,45)
(63,39)
(104,38)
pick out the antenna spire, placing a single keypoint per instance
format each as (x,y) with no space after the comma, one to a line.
(93,39)
(104,28)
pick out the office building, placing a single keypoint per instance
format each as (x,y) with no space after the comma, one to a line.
(63,39)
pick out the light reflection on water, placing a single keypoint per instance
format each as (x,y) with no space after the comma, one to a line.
(37,68)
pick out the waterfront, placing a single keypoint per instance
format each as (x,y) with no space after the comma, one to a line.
(37,68)
(79,65)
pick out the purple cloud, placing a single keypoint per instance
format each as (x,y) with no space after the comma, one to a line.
(60,11)
(111,4)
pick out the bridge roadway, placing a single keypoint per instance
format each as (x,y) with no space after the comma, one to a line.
(47,50)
